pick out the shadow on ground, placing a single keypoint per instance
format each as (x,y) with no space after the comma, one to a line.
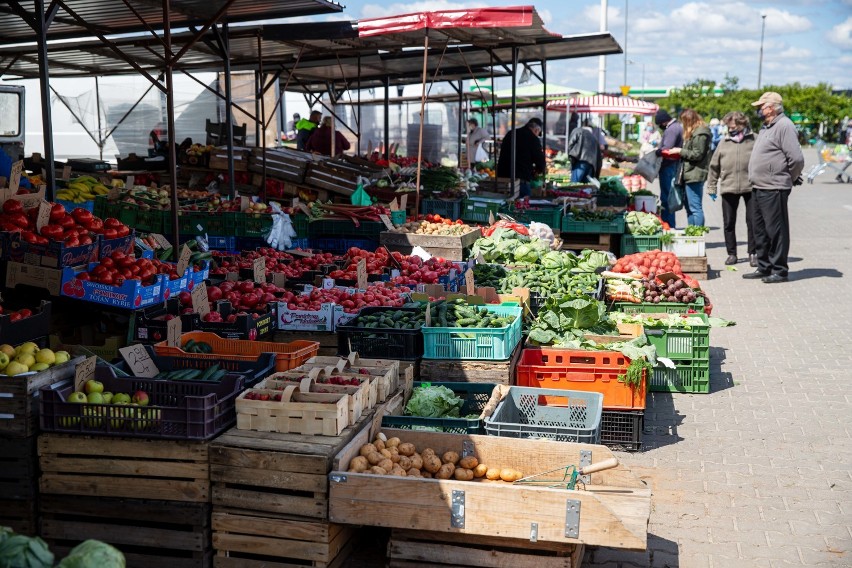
(661,421)
(661,552)
(719,380)
(815,273)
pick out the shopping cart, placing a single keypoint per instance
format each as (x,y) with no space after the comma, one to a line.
(835,160)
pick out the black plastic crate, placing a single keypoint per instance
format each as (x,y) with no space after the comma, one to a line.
(253,371)
(27,329)
(380,343)
(476,397)
(622,430)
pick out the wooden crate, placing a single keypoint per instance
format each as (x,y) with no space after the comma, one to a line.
(280,473)
(247,540)
(19,399)
(695,266)
(297,412)
(18,469)
(580,241)
(281,163)
(361,398)
(219,159)
(94,466)
(499,372)
(614,507)
(384,372)
(448,247)
(20,515)
(409,549)
(327,340)
(148,532)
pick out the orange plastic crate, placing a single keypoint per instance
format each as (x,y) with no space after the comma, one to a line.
(288,355)
(589,371)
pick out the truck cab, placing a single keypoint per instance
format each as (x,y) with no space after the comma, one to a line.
(12,121)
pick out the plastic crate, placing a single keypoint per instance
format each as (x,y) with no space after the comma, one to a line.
(299,243)
(526,412)
(300,225)
(639,243)
(398,217)
(380,343)
(577,370)
(254,369)
(478,211)
(340,246)
(153,221)
(255,225)
(475,396)
(346,229)
(287,355)
(222,243)
(616,226)
(688,376)
(71,206)
(622,430)
(550,216)
(177,410)
(99,206)
(127,214)
(447,208)
(472,343)
(612,200)
(662,307)
(682,343)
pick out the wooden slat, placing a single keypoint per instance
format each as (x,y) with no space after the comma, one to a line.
(265,459)
(125,467)
(158,558)
(121,447)
(271,479)
(118,535)
(314,507)
(129,487)
(292,528)
(500,372)
(139,510)
(447,555)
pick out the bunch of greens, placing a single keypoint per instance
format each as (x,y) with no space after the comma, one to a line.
(550,281)
(439,179)
(612,186)
(639,223)
(505,246)
(563,320)
(680,321)
(578,214)
(695,231)
(488,275)
(429,401)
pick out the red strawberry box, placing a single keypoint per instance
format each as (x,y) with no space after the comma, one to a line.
(131,295)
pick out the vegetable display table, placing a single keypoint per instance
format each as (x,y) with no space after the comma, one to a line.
(448,247)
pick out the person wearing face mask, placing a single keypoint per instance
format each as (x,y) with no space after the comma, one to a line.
(649,139)
(728,175)
(775,166)
(475,136)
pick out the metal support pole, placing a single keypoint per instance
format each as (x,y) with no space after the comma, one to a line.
(493,113)
(358,139)
(263,120)
(387,121)
(514,141)
(256,111)
(98,111)
(760,64)
(229,113)
(422,119)
(461,124)
(44,84)
(170,118)
(602,58)
(544,106)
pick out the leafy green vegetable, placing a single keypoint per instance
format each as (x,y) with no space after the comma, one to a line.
(612,185)
(683,321)
(19,551)
(93,554)
(696,231)
(590,260)
(431,401)
(640,223)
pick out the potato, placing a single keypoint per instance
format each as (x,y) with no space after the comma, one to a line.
(431,463)
(463,474)
(396,470)
(468,462)
(406,449)
(413,472)
(493,474)
(395,457)
(385,453)
(446,471)
(450,457)
(427,452)
(379,443)
(391,442)
(374,458)
(378,470)
(360,463)
(480,470)
(417,461)
(425,475)
(508,474)
(381,436)
(386,464)
(405,462)
(367,449)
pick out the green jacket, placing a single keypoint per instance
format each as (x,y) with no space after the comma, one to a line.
(696,155)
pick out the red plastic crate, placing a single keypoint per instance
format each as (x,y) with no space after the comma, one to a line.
(588,371)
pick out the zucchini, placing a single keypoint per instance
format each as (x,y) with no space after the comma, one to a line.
(209,372)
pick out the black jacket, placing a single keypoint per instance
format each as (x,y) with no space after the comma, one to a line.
(529,156)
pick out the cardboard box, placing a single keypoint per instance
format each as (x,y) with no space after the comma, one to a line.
(303,320)
(53,255)
(49,279)
(131,295)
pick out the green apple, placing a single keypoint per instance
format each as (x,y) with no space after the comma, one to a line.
(117,412)
(93,386)
(121,398)
(107,397)
(95,398)
(93,416)
(77,397)
(4,360)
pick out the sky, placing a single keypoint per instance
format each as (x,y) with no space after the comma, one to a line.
(806,41)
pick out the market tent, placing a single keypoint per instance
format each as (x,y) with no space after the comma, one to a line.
(604,104)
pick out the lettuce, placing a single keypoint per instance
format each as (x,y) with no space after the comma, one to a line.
(430,401)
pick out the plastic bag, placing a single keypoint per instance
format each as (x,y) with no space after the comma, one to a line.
(281,235)
(360,197)
(676,195)
(648,166)
(481,154)
(543,232)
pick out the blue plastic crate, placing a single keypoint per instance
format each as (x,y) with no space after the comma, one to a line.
(71,206)
(222,243)
(487,344)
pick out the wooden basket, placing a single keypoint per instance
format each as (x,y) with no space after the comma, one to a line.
(297,412)
(359,396)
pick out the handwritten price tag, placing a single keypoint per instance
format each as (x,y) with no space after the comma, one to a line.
(386,220)
(279,279)
(183,261)
(258,269)
(245,201)
(162,241)
(139,361)
(429,314)
(15,177)
(469,283)
(130,182)
(361,274)
(84,372)
(43,215)
(174,329)
(66,172)
(403,201)
(200,303)
(491,219)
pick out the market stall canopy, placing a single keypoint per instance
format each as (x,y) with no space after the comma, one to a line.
(604,104)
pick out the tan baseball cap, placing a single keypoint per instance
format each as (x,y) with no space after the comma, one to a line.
(768,98)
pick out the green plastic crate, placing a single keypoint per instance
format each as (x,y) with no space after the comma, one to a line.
(300,225)
(346,229)
(473,343)
(255,225)
(639,243)
(99,209)
(689,375)
(478,211)
(221,223)
(681,343)
(189,221)
(398,217)
(127,215)
(152,221)
(661,308)
(550,216)
(475,396)
(616,226)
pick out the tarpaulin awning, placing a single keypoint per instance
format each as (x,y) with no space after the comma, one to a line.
(604,104)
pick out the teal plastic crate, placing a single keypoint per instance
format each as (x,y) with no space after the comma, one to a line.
(689,375)
(478,211)
(254,225)
(473,343)
(550,216)
(616,226)
(398,217)
(300,225)
(661,308)
(639,243)
(682,343)
(475,397)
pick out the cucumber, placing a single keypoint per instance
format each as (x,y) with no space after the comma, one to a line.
(219,375)
(188,346)
(209,372)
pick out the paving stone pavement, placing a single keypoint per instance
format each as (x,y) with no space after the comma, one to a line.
(758,473)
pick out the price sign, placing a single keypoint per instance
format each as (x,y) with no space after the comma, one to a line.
(428,314)
(279,279)
(183,261)
(232,276)
(43,215)
(139,361)
(469,283)
(386,220)
(84,371)
(131,181)
(113,193)
(245,201)
(15,179)
(327,283)
(491,219)
(258,268)
(304,209)
(200,303)
(174,328)
(66,172)
(302,253)
(161,240)
(394,205)
(403,201)
(480,259)
(361,274)
(394,273)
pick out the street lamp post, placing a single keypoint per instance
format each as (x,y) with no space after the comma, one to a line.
(760,64)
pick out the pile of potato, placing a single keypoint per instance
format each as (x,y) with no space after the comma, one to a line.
(391,456)
(429,228)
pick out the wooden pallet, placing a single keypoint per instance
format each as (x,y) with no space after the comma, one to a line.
(278,473)
(580,241)
(20,515)
(694,266)
(409,549)
(245,540)
(96,466)
(19,399)
(18,468)
(148,532)
(499,372)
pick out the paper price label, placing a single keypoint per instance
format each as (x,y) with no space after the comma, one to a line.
(43,215)
(480,259)
(469,283)
(361,274)
(174,329)
(258,269)
(183,261)
(403,201)
(130,182)
(428,314)
(302,253)
(394,273)
(491,219)
(15,176)
(327,283)
(244,203)
(279,279)
(161,240)
(84,371)
(66,172)
(232,276)
(386,220)
(139,361)
(200,303)
(394,205)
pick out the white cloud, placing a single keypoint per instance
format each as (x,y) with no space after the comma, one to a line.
(592,14)
(841,34)
(732,19)
(795,53)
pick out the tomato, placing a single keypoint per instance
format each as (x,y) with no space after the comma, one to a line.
(105,278)
(123,231)
(12,206)
(15,316)
(52,232)
(72,242)
(112,223)
(84,276)
(95,225)
(66,222)
(110,233)
(57,211)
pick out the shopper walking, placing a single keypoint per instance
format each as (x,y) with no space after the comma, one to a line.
(729,171)
(672,137)
(695,157)
(583,149)
(475,137)
(775,166)
(528,158)
(305,127)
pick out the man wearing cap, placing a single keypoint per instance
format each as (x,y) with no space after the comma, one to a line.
(672,138)
(529,157)
(775,166)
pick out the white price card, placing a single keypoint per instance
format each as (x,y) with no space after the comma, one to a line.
(200,303)
(174,329)
(139,361)
(84,371)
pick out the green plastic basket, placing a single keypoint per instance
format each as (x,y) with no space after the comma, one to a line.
(689,375)
(99,209)
(255,225)
(300,225)
(681,343)
(550,216)
(127,215)
(447,208)
(639,243)
(616,226)
(661,308)
(475,396)
(152,221)
(486,344)
(346,229)
(398,217)
(478,211)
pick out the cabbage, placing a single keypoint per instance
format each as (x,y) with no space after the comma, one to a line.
(19,551)
(431,401)
(93,554)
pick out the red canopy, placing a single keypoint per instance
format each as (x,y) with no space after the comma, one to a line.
(604,104)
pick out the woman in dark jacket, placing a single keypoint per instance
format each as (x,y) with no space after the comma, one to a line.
(729,170)
(695,157)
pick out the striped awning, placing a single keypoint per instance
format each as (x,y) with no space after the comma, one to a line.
(603,104)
